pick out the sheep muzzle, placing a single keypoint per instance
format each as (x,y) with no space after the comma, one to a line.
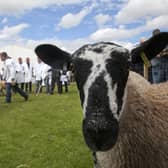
(100,133)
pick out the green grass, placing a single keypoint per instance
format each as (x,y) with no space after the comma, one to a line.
(44,132)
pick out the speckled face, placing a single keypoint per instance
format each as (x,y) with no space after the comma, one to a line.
(101,75)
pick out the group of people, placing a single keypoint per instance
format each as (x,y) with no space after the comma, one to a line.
(50,77)
(19,76)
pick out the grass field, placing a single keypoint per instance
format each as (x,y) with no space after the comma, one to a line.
(44,132)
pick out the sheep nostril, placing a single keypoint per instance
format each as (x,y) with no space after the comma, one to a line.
(92,125)
(92,122)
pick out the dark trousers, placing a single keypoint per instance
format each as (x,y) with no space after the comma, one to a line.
(9,88)
(22,86)
(28,87)
(53,81)
(59,85)
(66,86)
(46,81)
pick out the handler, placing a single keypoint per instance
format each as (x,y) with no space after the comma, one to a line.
(10,73)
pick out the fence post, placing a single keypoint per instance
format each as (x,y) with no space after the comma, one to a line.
(146,72)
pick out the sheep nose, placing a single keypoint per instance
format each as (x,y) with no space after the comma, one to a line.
(101,133)
(96,125)
(92,124)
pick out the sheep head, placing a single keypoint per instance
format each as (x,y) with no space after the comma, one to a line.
(101,72)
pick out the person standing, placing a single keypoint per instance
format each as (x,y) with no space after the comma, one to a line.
(37,71)
(164,65)
(20,73)
(156,64)
(46,75)
(10,77)
(64,80)
(69,76)
(55,79)
(28,75)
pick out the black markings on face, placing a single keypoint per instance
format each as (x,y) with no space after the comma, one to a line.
(98,50)
(98,101)
(117,67)
(82,71)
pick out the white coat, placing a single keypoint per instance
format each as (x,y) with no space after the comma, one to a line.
(63,78)
(20,73)
(45,69)
(37,71)
(45,72)
(28,72)
(9,70)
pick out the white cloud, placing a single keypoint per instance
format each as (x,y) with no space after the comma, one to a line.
(9,33)
(12,43)
(158,22)
(136,9)
(112,34)
(72,20)
(122,33)
(18,6)
(4,20)
(15,45)
(16,51)
(102,19)
(25,48)
(106,1)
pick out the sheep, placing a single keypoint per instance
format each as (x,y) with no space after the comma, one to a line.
(125,121)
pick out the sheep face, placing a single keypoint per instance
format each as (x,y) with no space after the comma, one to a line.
(101,76)
(101,72)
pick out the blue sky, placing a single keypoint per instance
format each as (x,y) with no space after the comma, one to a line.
(70,24)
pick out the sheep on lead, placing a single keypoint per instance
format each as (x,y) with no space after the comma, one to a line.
(125,117)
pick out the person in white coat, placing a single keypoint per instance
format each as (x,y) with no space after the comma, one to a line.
(28,75)
(10,77)
(64,80)
(37,71)
(20,73)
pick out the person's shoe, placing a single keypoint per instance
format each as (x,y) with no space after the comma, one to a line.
(26,97)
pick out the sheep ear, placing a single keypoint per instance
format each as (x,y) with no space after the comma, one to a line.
(52,55)
(150,47)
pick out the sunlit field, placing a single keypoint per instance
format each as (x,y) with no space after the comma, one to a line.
(44,132)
